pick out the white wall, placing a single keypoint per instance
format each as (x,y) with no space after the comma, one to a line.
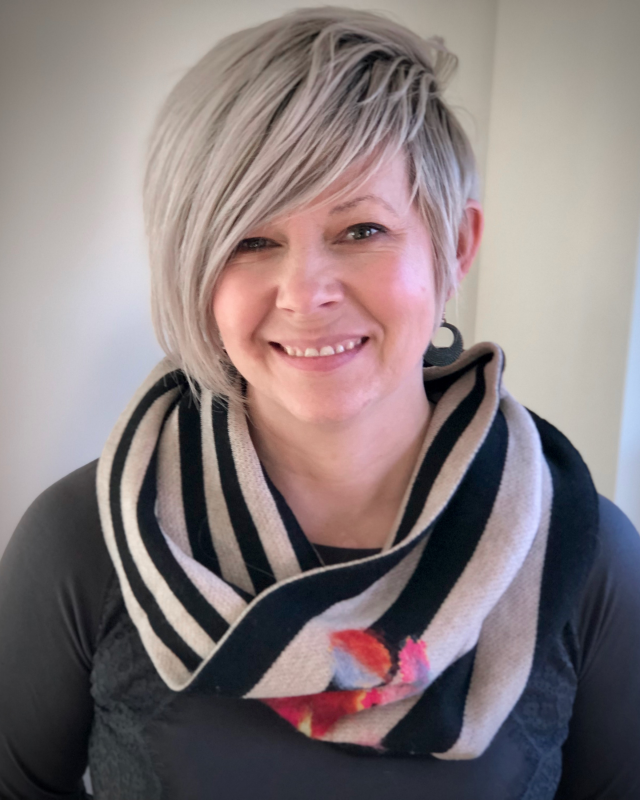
(79,84)
(563,209)
(628,475)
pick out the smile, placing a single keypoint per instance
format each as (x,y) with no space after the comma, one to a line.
(326,350)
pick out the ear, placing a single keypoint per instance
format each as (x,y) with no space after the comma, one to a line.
(469,236)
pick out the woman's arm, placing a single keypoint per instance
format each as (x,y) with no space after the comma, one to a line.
(53,579)
(601,757)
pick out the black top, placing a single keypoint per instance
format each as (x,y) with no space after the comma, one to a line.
(75,680)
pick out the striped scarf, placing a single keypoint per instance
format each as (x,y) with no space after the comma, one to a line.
(424,647)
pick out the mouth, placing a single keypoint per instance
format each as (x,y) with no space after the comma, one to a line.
(323,351)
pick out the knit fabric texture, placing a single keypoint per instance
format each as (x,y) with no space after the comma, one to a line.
(425,647)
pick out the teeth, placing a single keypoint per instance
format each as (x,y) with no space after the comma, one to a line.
(327,350)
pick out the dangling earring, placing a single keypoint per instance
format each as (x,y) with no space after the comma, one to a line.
(443,356)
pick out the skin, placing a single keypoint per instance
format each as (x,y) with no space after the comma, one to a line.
(339,435)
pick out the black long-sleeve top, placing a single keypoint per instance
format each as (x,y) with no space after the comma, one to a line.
(76,686)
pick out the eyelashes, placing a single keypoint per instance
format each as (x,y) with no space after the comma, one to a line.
(354,233)
(365,230)
(253,245)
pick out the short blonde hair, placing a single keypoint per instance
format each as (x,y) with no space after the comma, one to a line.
(267,120)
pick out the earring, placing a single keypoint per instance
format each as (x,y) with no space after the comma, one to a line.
(443,356)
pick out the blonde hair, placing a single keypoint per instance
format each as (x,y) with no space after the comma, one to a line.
(267,120)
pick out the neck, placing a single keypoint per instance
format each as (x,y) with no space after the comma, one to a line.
(345,480)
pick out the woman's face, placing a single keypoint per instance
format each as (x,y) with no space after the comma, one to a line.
(327,311)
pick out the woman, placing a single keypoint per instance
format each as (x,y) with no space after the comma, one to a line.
(312,568)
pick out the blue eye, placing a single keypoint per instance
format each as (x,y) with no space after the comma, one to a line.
(365,230)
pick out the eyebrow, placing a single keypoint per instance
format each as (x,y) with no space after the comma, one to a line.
(356,200)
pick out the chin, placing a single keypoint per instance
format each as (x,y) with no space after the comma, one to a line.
(321,408)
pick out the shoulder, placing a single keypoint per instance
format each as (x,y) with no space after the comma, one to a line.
(616,567)
(610,606)
(58,546)
(66,505)
(602,750)
(54,578)
(618,536)
(62,528)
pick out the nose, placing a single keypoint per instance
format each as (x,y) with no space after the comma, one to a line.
(308,280)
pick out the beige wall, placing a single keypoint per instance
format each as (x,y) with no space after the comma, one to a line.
(79,83)
(563,210)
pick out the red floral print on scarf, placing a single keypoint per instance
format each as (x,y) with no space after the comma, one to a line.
(365,672)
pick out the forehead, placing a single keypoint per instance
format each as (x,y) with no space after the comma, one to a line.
(388,184)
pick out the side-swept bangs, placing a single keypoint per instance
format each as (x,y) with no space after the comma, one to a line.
(264,123)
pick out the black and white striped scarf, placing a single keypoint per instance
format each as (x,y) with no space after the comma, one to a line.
(424,647)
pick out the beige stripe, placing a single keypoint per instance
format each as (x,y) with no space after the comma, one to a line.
(259,499)
(111,445)
(506,648)
(501,550)
(172,671)
(305,666)
(368,728)
(140,452)
(465,449)
(225,543)
(105,464)
(218,593)
(169,506)
(463,452)
(169,667)
(448,403)
(443,410)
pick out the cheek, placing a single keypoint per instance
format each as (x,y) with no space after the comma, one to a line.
(236,305)
(410,294)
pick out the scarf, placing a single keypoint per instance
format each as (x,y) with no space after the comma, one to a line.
(424,647)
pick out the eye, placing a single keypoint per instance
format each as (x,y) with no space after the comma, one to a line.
(253,245)
(364,230)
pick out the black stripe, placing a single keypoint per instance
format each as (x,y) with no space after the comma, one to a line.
(277,617)
(436,387)
(246,533)
(193,494)
(439,451)
(434,724)
(452,541)
(163,630)
(302,547)
(573,532)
